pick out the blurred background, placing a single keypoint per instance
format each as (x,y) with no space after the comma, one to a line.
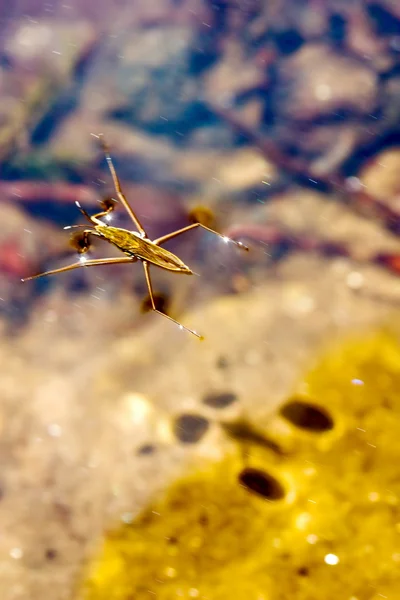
(276,123)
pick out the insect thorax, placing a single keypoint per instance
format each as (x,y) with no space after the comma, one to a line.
(128,241)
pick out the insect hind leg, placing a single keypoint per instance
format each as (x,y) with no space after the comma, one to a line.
(170,236)
(153,304)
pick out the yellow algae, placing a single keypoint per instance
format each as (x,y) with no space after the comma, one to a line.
(333,533)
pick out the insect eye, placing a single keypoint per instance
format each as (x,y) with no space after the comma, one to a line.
(80,242)
(108,204)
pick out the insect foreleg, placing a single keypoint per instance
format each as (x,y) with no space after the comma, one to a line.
(108,205)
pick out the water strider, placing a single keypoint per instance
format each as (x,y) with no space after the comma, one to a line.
(134,244)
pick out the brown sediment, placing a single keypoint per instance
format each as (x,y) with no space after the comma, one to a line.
(323,518)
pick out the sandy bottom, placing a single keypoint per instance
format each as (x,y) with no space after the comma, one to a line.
(88,402)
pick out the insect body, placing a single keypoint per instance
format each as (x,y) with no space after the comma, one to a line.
(134,244)
(141,248)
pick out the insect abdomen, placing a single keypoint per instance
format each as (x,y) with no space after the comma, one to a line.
(121,238)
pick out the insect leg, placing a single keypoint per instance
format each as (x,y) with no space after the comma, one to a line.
(117,185)
(83,263)
(153,305)
(170,236)
(108,205)
(80,240)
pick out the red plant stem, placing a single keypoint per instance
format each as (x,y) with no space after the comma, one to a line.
(273,236)
(36,191)
(359,200)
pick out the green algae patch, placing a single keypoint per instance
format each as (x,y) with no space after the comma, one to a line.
(312,513)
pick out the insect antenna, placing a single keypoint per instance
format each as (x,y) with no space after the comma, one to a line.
(74,226)
(83,211)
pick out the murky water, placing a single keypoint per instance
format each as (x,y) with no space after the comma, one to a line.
(274,123)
